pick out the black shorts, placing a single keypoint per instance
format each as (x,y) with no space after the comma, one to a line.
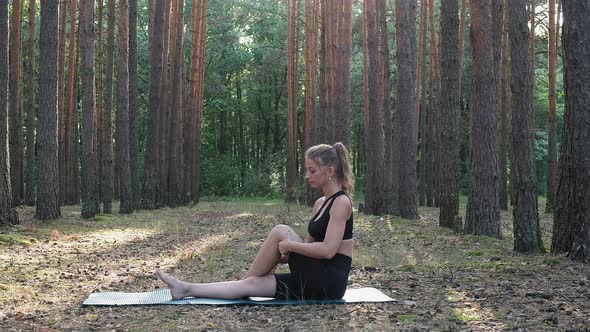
(313,278)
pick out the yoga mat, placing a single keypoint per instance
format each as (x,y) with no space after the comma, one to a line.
(162,296)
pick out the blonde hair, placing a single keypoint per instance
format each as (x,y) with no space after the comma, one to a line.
(336,156)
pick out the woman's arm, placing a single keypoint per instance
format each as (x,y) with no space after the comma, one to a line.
(327,249)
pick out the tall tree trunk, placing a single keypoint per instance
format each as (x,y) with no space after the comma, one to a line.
(198,72)
(311,63)
(527,231)
(8,214)
(99,101)
(151,181)
(532,40)
(503,110)
(373,117)
(292,94)
(164,109)
(433,109)
(385,106)
(552,141)
(174,146)
(61,116)
(324,73)
(30,156)
(448,147)
(107,127)
(419,104)
(434,106)
(483,213)
(133,107)
(343,64)
(90,205)
(126,205)
(571,223)
(15,104)
(405,15)
(48,190)
(461,42)
(71,165)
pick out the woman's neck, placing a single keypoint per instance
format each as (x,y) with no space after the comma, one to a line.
(331,188)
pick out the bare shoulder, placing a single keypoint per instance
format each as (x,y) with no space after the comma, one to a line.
(342,203)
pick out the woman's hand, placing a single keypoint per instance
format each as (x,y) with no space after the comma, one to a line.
(284,250)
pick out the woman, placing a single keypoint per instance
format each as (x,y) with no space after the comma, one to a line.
(319,265)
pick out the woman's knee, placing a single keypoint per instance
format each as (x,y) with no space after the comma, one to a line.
(281,231)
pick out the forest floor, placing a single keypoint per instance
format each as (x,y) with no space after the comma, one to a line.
(442,281)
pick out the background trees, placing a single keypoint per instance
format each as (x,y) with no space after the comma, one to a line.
(213,99)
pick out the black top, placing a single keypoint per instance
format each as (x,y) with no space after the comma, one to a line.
(317,226)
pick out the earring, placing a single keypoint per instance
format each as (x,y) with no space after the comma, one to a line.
(329,178)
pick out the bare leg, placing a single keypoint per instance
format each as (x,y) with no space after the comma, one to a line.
(269,256)
(252,286)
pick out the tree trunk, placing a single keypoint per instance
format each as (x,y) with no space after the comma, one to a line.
(15,91)
(107,127)
(373,117)
(8,214)
(385,106)
(164,108)
(30,156)
(61,116)
(71,166)
(343,64)
(571,223)
(483,214)
(406,68)
(175,125)
(532,39)
(527,231)
(552,141)
(448,147)
(48,190)
(90,205)
(151,181)
(311,63)
(420,106)
(198,71)
(434,106)
(292,94)
(99,102)
(126,205)
(133,107)
(503,110)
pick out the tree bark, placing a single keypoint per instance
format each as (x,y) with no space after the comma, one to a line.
(503,112)
(151,184)
(90,205)
(420,104)
(527,231)
(30,154)
(48,190)
(126,204)
(448,132)
(483,214)
(373,116)
(71,147)
(406,68)
(8,214)
(61,116)
(133,108)
(552,118)
(571,223)
(292,79)
(385,106)
(107,126)
(311,63)
(15,92)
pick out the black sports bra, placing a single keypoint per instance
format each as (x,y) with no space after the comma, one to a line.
(317,227)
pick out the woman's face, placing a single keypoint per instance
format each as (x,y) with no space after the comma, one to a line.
(316,175)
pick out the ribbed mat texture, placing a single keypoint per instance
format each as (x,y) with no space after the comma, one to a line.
(162,296)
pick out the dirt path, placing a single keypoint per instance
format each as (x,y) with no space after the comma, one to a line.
(442,281)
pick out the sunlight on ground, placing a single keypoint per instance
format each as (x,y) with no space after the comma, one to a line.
(198,247)
(239,215)
(121,236)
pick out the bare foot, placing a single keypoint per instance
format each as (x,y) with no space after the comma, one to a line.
(178,288)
